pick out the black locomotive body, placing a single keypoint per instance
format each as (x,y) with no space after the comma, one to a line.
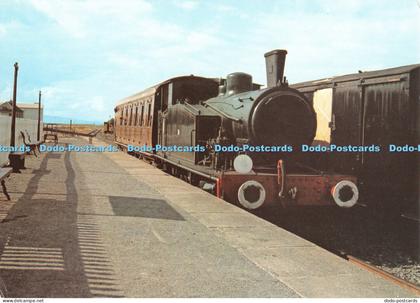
(233,138)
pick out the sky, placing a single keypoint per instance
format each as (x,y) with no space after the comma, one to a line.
(86,55)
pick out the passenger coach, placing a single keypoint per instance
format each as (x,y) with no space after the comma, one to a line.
(380,108)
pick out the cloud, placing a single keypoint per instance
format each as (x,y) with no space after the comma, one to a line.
(79,18)
(61,99)
(342,40)
(224,8)
(186,5)
(86,55)
(347,7)
(97,104)
(10,26)
(118,49)
(6,93)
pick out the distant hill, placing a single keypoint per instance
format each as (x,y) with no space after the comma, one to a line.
(66,120)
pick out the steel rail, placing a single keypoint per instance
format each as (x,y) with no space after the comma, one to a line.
(386,275)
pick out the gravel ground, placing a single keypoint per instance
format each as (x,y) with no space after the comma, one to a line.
(108,138)
(390,245)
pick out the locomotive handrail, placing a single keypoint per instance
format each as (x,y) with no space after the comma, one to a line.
(224,114)
(191,110)
(281,173)
(192,107)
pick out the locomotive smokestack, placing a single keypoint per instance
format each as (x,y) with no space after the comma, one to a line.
(274,62)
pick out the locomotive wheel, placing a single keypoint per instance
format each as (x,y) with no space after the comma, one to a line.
(251,194)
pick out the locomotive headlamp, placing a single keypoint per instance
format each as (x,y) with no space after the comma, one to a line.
(243,164)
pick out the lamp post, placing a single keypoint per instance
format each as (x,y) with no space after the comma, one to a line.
(38,135)
(17,160)
(13,126)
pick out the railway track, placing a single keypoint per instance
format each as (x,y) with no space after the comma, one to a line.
(386,246)
(403,283)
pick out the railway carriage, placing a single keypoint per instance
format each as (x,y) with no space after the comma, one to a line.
(380,108)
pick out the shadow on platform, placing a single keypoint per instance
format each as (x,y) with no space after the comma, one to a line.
(143,207)
(46,250)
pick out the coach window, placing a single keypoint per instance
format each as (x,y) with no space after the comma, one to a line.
(142,114)
(170,94)
(164,98)
(146,113)
(149,114)
(136,114)
(139,117)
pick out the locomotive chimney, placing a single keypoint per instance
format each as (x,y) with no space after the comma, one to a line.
(274,63)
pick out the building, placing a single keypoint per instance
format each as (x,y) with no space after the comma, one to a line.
(23,110)
(30,110)
(6,110)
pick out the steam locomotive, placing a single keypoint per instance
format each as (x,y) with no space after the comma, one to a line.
(232,138)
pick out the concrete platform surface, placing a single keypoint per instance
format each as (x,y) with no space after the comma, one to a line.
(110,225)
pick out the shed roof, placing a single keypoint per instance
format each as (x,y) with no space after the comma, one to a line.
(29,105)
(7,106)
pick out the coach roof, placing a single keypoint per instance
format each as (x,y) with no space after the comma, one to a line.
(152,90)
(358,76)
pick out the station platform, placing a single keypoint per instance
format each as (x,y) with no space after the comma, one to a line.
(109,225)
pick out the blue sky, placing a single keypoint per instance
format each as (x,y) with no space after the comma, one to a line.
(86,55)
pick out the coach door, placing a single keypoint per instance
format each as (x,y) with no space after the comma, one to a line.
(386,120)
(346,126)
(165,100)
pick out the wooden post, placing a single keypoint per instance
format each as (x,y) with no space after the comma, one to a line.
(13,126)
(38,135)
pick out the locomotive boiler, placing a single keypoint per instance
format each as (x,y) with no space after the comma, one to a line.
(263,118)
(276,115)
(233,138)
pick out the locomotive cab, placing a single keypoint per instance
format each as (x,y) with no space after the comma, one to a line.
(182,121)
